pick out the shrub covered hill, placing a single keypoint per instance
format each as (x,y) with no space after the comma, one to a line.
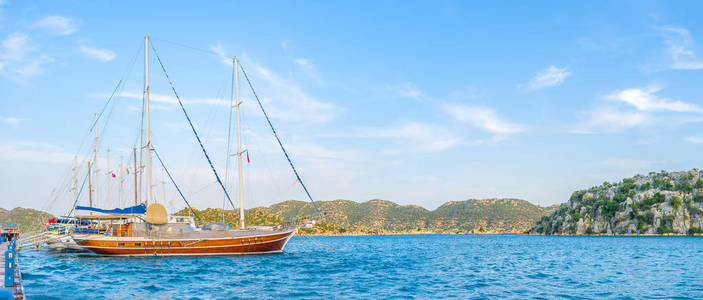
(382,217)
(657,203)
(28,219)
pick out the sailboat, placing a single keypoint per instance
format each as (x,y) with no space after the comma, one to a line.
(157,234)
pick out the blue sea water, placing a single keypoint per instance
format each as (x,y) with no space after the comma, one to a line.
(416,266)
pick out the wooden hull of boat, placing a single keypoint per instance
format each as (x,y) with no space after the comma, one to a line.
(127,246)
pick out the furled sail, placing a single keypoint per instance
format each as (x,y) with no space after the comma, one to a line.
(139,209)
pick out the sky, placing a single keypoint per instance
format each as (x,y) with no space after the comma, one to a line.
(416,102)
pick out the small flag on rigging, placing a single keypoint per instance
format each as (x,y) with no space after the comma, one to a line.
(248,161)
(113,175)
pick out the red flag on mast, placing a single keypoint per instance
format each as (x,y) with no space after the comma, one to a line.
(113,175)
(248,157)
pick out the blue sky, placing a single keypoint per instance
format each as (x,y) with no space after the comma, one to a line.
(414,102)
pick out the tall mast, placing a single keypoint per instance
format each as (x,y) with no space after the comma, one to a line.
(75,177)
(229,137)
(95,162)
(109,178)
(147,161)
(90,188)
(136,187)
(121,172)
(239,147)
(163,186)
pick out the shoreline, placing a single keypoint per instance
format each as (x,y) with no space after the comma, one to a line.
(405,233)
(616,235)
(499,233)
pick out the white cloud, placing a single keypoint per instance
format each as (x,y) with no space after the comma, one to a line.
(307,67)
(284,99)
(15,46)
(11,121)
(694,139)
(34,152)
(611,119)
(152,107)
(167,99)
(646,100)
(681,48)
(549,77)
(220,51)
(409,90)
(646,108)
(418,137)
(306,150)
(481,117)
(57,25)
(304,64)
(101,54)
(299,147)
(462,94)
(627,164)
(19,58)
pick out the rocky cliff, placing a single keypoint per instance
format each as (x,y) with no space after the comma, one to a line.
(656,203)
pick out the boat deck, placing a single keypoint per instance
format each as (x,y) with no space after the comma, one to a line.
(18,289)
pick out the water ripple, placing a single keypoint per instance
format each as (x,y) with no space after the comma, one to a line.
(402,267)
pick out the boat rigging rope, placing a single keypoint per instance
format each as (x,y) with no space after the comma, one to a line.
(278,139)
(174,183)
(65,185)
(173,88)
(321,243)
(229,137)
(115,92)
(79,193)
(295,171)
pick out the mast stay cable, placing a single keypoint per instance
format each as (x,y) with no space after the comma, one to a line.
(173,88)
(174,184)
(64,185)
(79,193)
(290,162)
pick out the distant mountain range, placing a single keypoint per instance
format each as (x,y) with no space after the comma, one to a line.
(386,217)
(656,203)
(370,217)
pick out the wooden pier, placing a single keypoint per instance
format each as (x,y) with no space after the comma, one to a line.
(17,289)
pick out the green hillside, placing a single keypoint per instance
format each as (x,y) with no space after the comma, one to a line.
(255,216)
(28,219)
(657,203)
(382,216)
(490,215)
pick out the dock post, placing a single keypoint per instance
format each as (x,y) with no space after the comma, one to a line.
(9,268)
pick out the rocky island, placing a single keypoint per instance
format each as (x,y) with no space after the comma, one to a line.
(656,203)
